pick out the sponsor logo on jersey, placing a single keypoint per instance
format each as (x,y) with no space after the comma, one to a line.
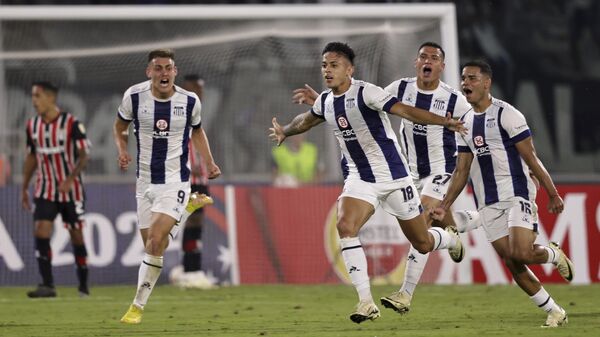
(478,140)
(420,129)
(481,148)
(162,124)
(342,122)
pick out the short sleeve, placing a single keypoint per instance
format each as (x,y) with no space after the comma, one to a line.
(125,111)
(515,125)
(79,136)
(392,88)
(196,113)
(317,108)
(462,144)
(461,107)
(30,144)
(378,99)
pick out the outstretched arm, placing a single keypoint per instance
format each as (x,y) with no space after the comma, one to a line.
(306,95)
(425,117)
(458,182)
(527,152)
(301,123)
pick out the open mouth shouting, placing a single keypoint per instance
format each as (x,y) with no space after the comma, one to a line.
(427,71)
(467,92)
(164,83)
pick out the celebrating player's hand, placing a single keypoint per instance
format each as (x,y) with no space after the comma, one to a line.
(124,160)
(25,200)
(276,132)
(555,204)
(306,95)
(455,125)
(437,213)
(213,170)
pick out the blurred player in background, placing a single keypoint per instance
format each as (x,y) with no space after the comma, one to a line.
(296,163)
(58,149)
(374,168)
(430,152)
(500,140)
(163,115)
(190,274)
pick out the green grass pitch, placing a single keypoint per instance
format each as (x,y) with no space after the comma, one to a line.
(307,311)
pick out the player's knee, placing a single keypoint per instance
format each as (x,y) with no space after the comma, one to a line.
(155,244)
(519,256)
(346,228)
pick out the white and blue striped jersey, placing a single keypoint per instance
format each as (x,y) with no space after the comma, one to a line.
(429,149)
(162,130)
(498,171)
(358,118)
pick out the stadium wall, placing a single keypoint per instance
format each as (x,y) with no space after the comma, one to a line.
(283,236)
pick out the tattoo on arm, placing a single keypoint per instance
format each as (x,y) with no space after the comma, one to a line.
(301,123)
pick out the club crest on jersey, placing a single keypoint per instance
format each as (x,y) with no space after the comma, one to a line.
(350,103)
(439,104)
(178,111)
(342,122)
(162,124)
(410,98)
(490,123)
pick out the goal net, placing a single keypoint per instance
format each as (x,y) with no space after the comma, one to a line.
(251,58)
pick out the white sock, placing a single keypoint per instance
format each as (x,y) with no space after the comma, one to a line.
(356,265)
(552,255)
(466,221)
(150,269)
(543,300)
(415,264)
(441,238)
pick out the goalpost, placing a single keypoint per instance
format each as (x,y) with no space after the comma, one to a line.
(250,56)
(95,52)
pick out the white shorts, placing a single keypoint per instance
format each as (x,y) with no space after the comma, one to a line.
(399,197)
(169,199)
(434,185)
(515,212)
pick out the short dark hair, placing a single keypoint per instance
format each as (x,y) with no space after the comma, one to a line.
(46,86)
(434,45)
(169,53)
(340,48)
(483,66)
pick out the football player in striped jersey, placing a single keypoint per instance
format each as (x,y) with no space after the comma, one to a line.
(375,170)
(497,153)
(165,118)
(58,150)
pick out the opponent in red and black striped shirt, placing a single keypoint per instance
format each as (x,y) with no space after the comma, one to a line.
(58,150)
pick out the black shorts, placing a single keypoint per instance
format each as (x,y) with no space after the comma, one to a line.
(71,212)
(202,189)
